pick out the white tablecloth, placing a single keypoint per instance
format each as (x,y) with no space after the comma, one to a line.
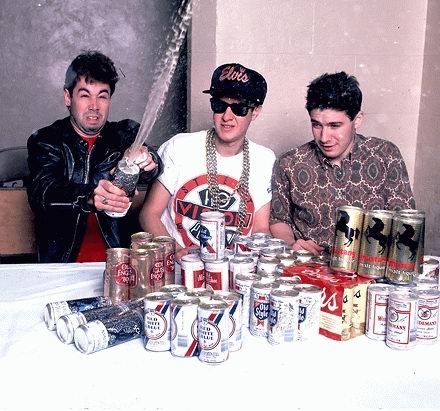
(38,371)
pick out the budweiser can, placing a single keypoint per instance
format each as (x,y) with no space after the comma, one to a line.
(213,331)
(303,256)
(169,256)
(174,289)
(238,266)
(142,263)
(157,272)
(376,238)
(308,311)
(377,308)
(184,326)
(402,258)
(283,316)
(235,317)
(239,243)
(157,321)
(348,229)
(242,287)
(359,310)
(259,308)
(427,316)
(267,264)
(212,235)
(140,239)
(402,320)
(118,274)
(430,269)
(217,274)
(193,271)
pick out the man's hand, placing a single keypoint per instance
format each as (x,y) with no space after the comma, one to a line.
(142,157)
(107,196)
(308,245)
(180,252)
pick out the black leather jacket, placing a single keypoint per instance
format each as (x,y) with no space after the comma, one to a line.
(63,176)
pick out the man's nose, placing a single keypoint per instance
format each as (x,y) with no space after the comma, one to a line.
(228,114)
(93,103)
(325,134)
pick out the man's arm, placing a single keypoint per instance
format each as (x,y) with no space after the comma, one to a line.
(284,231)
(261,220)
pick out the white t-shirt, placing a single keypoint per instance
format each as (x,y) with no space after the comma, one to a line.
(185,177)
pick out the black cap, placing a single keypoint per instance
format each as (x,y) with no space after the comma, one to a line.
(235,80)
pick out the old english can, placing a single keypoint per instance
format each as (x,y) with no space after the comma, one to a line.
(217,274)
(139,239)
(212,235)
(184,341)
(402,320)
(402,258)
(259,308)
(193,271)
(157,272)
(98,335)
(375,242)
(427,316)
(308,311)
(142,264)
(54,310)
(267,264)
(213,331)
(174,289)
(235,317)
(239,243)
(283,316)
(348,229)
(157,321)
(238,266)
(169,256)
(242,287)
(118,274)
(377,307)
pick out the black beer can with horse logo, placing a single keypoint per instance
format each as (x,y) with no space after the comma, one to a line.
(346,243)
(375,243)
(402,259)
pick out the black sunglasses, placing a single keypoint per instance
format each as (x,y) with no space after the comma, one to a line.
(219,106)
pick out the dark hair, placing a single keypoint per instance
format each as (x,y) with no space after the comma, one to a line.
(337,91)
(93,66)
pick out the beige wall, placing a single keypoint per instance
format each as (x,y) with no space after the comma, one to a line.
(293,41)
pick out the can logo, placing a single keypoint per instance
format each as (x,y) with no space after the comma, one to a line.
(169,262)
(261,311)
(204,237)
(424,313)
(302,313)
(375,232)
(123,273)
(155,325)
(342,226)
(209,334)
(273,318)
(405,239)
(157,272)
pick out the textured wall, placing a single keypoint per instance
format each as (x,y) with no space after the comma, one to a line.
(39,38)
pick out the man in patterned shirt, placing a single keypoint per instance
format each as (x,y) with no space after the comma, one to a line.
(339,167)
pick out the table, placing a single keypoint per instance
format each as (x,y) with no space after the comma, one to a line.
(37,370)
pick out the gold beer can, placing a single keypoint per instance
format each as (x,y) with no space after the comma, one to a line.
(402,258)
(157,273)
(142,262)
(139,239)
(346,243)
(375,243)
(170,254)
(117,275)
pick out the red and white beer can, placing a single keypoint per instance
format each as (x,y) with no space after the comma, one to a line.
(193,271)
(377,308)
(427,316)
(212,235)
(217,274)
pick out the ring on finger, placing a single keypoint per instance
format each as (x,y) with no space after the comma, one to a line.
(104,200)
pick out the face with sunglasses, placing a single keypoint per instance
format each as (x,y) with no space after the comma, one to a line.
(232,118)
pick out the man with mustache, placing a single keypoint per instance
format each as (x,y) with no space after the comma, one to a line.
(71,162)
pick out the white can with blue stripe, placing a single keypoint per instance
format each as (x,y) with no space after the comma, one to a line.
(157,321)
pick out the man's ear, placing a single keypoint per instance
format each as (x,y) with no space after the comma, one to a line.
(256,111)
(358,120)
(67,99)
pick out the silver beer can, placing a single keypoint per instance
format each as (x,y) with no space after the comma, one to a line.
(212,235)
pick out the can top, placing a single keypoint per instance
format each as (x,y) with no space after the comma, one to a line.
(158,296)
(248,277)
(411,211)
(303,253)
(288,280)
(375,213)
(141,252)
(381,287)
(268,260)
(271,250)
(308,288)
(67,324)
(154,246)
(213,304)
(348,207)
(429,260)
(258,235)
(240,239)
(279,292)
(225,295)
(244,260)
(212,215)
(199,292)
(185,299)
(117,251)
(276,241)
(170,288)
(400,294)
(428,293)
(163,239)
(142,235)
(265,284)
(190,258)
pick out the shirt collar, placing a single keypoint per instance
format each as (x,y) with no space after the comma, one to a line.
(324,161)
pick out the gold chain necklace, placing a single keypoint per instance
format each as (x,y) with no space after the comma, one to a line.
(242,187)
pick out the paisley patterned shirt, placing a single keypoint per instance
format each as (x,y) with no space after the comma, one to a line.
(307,188)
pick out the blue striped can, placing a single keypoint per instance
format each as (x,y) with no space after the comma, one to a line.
(157,319)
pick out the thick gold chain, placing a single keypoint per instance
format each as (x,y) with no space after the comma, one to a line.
(242,187)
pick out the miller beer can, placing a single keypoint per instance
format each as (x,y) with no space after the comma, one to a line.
(157,272)
(375,243)
(157,321)
(377,308)
(169,256)
(142,263)
(259,308)
(193,271)
(212,235)
(139,239)
(117,274)
(217,274)
(427,316)
(346,243)
(242,286)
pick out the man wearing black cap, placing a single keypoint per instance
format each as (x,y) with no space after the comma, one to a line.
(217,169)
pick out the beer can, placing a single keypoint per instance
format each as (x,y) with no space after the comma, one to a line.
(239,243)
(303,256)
(142,263)
(139,239)
(68,323)
(287,259)
(98,335)
(402,320)
(117,274)
(212,235)
(242,287)
(201,293)
(259,308)
(256,245)
(287,283)
(402,258)
(213,331)
(322,259)
(169,257)
(271,251)
(359,307)
(268,277)
(54,310)
(258,236)
(425,284)
(248,254)
(427,316)
(267,264)
(283,316)
(377,308)
(184,341)
(217,274)
(346,243)
(235,317)
(157,321)
(157,272)
(174,289)
(193,271)
(277,242)
(430,269)
(375,242)
(238,266)
(309,309)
